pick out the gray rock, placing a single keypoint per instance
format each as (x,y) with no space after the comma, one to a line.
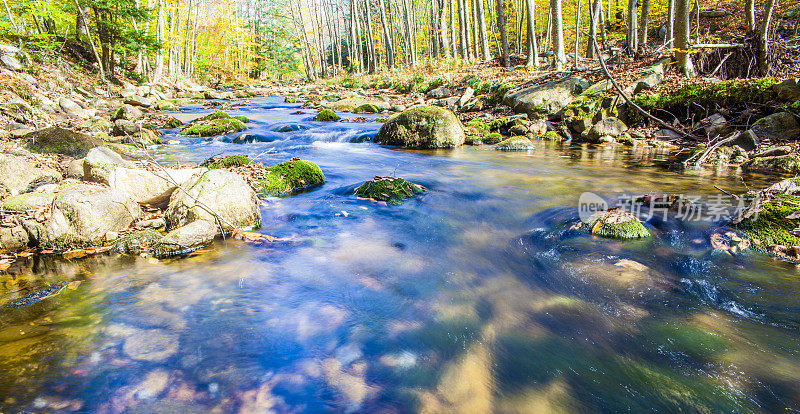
(11,62)
(127,112)
(447,102)
(152,188)
(57,140)
(748,140)
(75,169)
(440,93)
(788,90)
(779,126)
(423,127)
(123,127)
(137,100)
(715,125)
(192,235)
(468,94)
(46,104)
(212,95)
(774,152)
(70,107)
(547,99)
(13,238)
(18,173)
(515,144)
(609,127)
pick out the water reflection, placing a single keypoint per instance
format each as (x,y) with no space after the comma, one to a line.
(475,297)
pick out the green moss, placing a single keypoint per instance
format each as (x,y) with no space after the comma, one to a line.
(290,176)
(199,96)
(436,83)
(686,339)
(173,122)
(551,136)
(390,189)
(27,201)
(164,106)
(230,161)
(242,118)
(771,226)
(492,138)
(515,144)
(789,164)
(499,91)
(214,127)
(615,224)
(216,115)
(57,140)
(326,115)
(367,108)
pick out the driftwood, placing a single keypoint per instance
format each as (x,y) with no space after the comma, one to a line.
(717,46)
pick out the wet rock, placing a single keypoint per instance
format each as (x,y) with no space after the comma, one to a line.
(81,215)
(465,385)
(787,164)
(127,112)
(326,115)
(352,389)
(390,189)
(519,143)
(788,90)
(222,192)
(217,123)
(152,188)
(423,127)
(748,140)
(715,125)
(615,223)
(544,100)
(164,105)
(137,100)
(779,126)
(367,109)
(59,140)
(291,176)
(152,345)
(185,239)
(611,127)
(212,95)
(123,127)
(772,152)
(18,173)
(348,104)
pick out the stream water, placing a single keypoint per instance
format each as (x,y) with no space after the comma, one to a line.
(475,297)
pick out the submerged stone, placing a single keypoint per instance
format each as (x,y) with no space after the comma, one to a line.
(615,223)
(390,189)
(290,176)
(153,345)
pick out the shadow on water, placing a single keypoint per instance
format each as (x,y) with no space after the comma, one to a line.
(474,297)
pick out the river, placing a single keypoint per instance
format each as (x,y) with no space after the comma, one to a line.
(473,297)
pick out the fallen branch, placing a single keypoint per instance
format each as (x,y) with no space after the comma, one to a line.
(631,103)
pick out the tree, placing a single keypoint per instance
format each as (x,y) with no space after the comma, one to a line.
(682,37)
(484,36)
(632,37)
(533,47)
(559,53)
(501,25)
(763,38)
(596,14)
(644,22)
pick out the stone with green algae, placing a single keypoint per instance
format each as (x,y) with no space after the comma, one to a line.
(615,224)
(288,177)
(326,115)
(390,189)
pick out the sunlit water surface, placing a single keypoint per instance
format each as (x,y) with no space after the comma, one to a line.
(474,297)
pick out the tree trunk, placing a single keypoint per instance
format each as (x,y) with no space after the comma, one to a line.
(484,35)
(670,40)
(578,32)
(159,72)
(533,47)
(558,35)
(501,25)
(644,22)
(750,14)
(682,37)
(632,37)
(763,38)
(387,35)
(595,17)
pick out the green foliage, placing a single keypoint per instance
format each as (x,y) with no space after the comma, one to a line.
(230,161)
(390,189)
(289,177)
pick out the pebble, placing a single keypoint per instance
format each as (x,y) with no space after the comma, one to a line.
(153,345)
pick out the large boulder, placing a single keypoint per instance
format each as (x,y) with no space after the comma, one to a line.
(779,126)
(788,90)
(214,194)
(353,102)
(59,140)
(13,238)
(17,173)
(779,164)
(289,177)
(123,127)
(611,127)
(137,100)
(83,214)
(547,99)
(127,112)
(423,127)
(439,93)
(70,107)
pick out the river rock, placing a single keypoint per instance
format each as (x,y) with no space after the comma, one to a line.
(152,188)
(13,238)
(786,164)
(83,214)
(123,127)
(220,191)
(152,345)
(59,140)
(788,90)
(615,223)
(127,112)
(611,127)
(779,126)
(70,107)
(137,100)
(515,144)
(466,96)
(547,99)
(18,173)
(28,201)
(423,127)
(440,93)
(99,163)
(164,105)
(349,104)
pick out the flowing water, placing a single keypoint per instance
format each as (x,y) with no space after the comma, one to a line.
(474,297)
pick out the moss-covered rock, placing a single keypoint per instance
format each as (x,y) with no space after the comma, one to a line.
(172,123)
(289,177)
(137,242)
(57,140)
(230,161)
(28,201)
(366,108)
(242,118)
(492,138)
(515,144)
(423,127)
(781,164)
(390,189)
(209,128)
(771,226)
(164,106)
(326,115)
(616,224)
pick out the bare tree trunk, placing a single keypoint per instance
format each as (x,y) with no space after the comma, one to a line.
(501,25)
(453,41)
(159,72)
(484,35)
(670,40)
(682,36)
(595,19)
(750,14)
(386,35)
(533,47)
(632,37)
(763,38)
(462,31)
(644,22)
(578,32)
(558,35)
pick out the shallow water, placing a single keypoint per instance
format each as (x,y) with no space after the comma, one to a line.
(474,297)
